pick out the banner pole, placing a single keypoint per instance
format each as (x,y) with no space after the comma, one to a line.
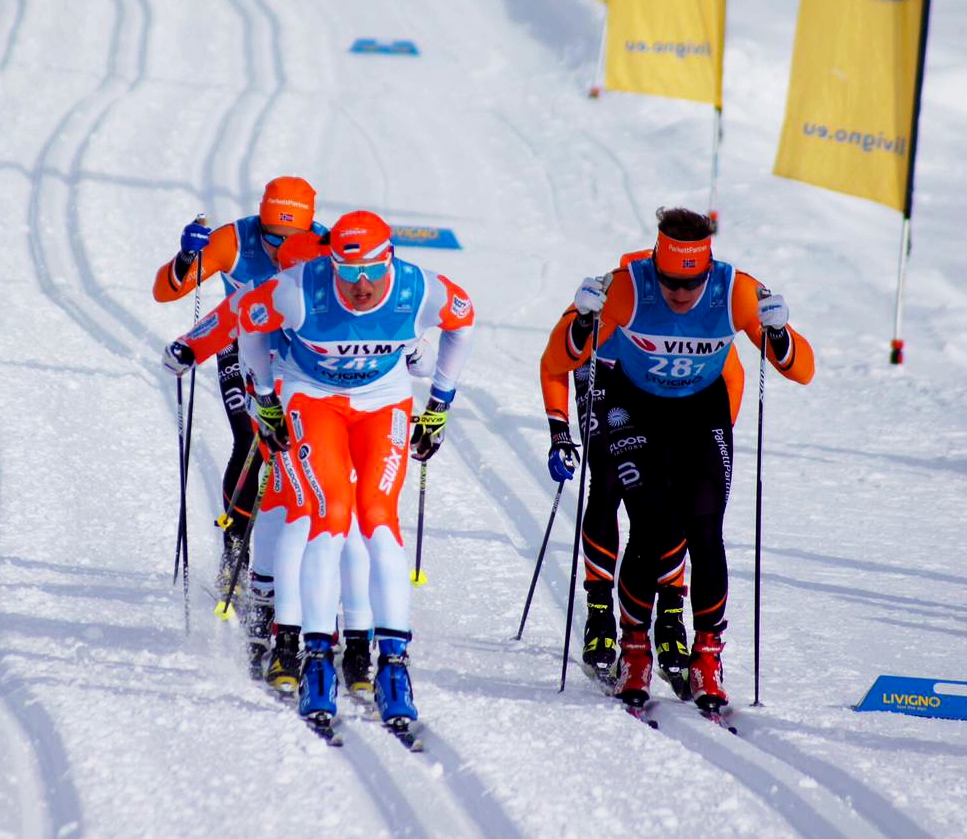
(713,213)
(597,82)
(896,345)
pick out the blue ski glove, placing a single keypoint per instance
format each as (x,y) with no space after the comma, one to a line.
(429,429)
(270,417)
(194,237)
(178,358)
(562,459)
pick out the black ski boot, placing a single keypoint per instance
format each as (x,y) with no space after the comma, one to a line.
(231,553)
(258,617)
(671,642)
(600,632)
(357,661)
(284,670)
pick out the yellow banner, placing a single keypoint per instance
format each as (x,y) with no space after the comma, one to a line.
(849,111)
(666,48)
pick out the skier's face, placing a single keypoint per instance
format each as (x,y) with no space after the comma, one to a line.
(681,300)
(363,294)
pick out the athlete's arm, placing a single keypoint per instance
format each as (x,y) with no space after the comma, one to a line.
(734,374)
(569,345)
(449,307)
(178,277)
(556,393)
(789,352)
(275,304)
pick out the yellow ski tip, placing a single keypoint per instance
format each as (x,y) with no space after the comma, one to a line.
(225,611)
(417,579)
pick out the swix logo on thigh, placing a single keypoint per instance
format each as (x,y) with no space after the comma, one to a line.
(629,474)
(391,468)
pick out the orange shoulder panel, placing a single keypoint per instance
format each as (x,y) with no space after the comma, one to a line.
(457,312)
(800,365)
(218,255)
(256,312)
(635,256)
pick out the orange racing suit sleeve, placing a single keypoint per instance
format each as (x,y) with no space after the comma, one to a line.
(790,353)
(176,278)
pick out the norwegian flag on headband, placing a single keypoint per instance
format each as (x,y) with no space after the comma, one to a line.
(286,217)
(689,263)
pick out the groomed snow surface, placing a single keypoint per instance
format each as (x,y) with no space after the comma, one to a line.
(122,119)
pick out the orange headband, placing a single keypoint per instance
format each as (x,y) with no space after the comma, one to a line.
(682,259)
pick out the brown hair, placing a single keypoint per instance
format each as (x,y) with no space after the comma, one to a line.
(683,225)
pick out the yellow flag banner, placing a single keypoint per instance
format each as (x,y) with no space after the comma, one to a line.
(666,48)
(849,111)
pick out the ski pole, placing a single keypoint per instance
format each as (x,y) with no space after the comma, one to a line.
(584,469)
(184,449)
(417,577)
(758,515)
(182,543)
(225,520)
(224,608)
(540,559)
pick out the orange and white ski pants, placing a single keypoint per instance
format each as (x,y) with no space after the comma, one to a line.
(329,441)
(279,539)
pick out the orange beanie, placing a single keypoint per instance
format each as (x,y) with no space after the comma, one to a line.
(289,202)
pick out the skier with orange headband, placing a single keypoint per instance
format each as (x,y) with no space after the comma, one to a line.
(669,321)
(599,525)
(240,251)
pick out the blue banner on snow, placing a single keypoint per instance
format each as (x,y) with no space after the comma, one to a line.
(920,697)
(371,45)
(425,237)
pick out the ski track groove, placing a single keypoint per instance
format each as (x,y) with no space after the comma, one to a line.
(95,293)
(57,796)
(869,804)
(12,34)
(478,803)
(539,161)
(764,765)
(222,137)
(280,81)
(625,180)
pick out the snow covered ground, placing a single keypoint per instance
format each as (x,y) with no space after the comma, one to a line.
(121,119)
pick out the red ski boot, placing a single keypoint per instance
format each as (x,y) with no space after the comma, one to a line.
(634,666)
(705,669)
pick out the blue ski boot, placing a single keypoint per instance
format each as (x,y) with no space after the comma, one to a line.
(317,687)
(394,693)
